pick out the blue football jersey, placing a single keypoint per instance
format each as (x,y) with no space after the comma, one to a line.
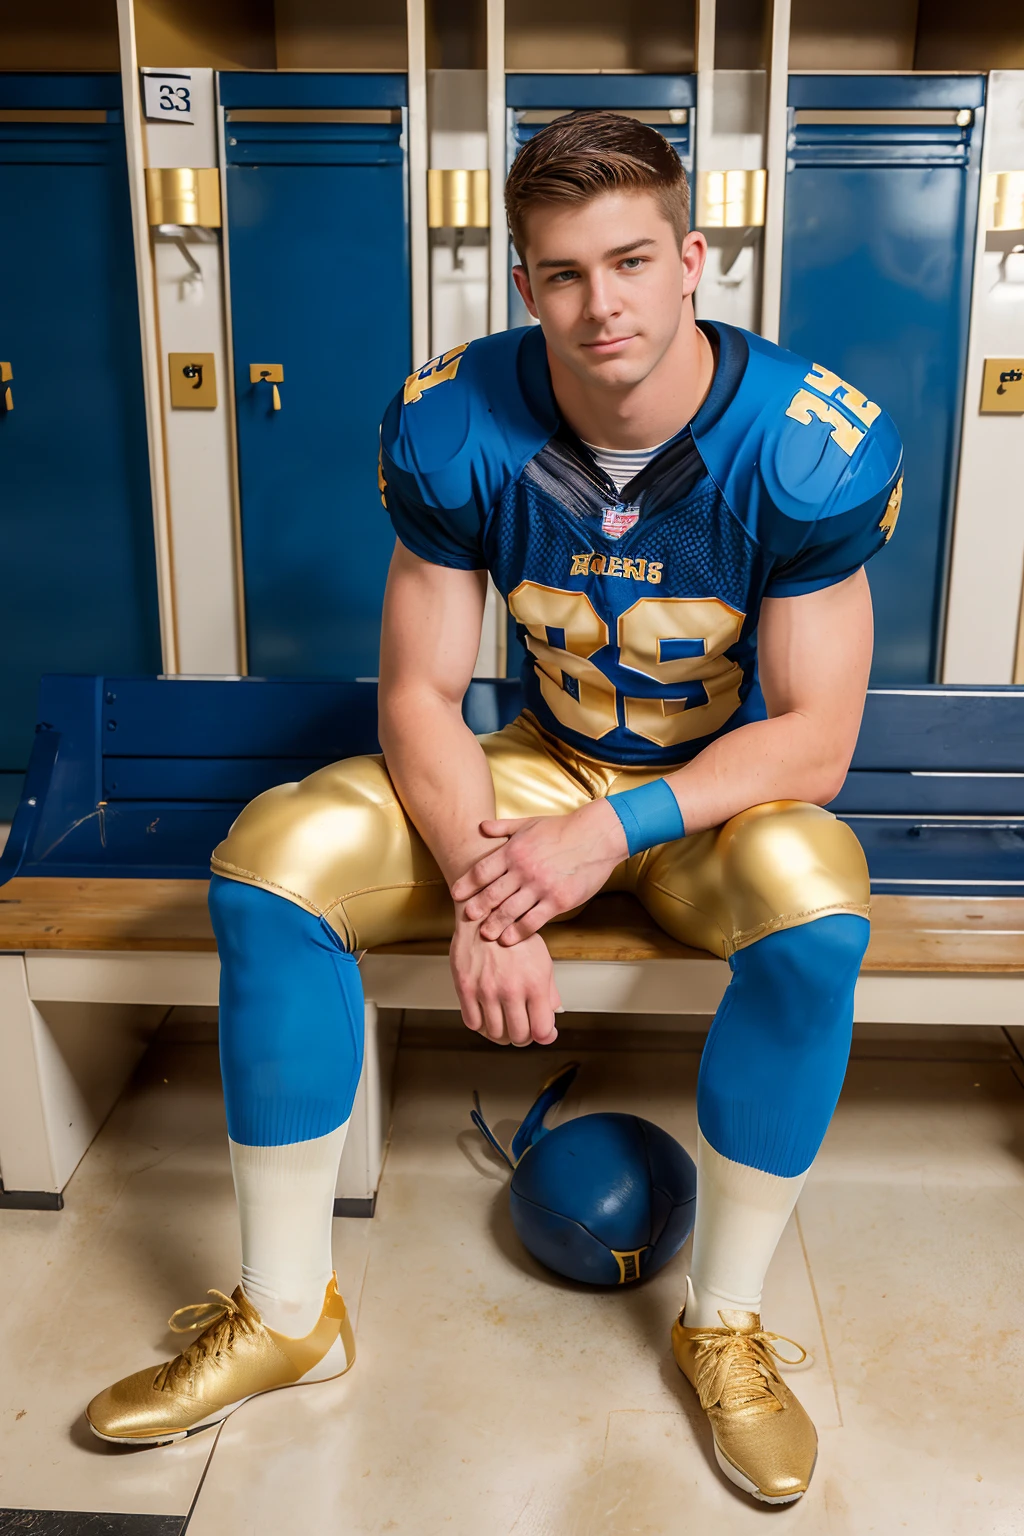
(639,607)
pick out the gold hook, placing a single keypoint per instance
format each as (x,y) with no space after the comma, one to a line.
(268,373)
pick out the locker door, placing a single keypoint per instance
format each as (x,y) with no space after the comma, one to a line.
(881,208)
(319,274)
(667,102)
(77,565)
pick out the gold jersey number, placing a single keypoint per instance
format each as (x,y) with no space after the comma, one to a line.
(642,631)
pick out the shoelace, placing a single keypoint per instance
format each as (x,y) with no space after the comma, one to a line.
(221,1320)
(738,1369)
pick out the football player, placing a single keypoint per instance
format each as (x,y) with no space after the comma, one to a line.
(677,515)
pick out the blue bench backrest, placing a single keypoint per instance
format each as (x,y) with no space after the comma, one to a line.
(143,776)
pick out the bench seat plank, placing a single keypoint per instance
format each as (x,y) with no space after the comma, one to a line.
(99,913)
(909,933)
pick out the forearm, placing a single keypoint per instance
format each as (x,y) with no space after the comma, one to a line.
(440,772)
(785,758)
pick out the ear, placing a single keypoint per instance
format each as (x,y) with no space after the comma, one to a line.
(521,278)
(694,254)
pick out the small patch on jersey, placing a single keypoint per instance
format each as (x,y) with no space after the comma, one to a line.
(438,371)
(382,484)
(806,407)
(617,520)
(589,564)
(892,510)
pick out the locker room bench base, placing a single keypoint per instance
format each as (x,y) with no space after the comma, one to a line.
(89,966)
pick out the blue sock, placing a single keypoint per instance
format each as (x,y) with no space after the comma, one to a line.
(291,1018)
(776,1055)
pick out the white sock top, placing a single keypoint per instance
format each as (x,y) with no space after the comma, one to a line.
(621,464)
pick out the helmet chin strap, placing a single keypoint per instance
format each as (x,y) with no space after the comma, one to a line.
(532,1127)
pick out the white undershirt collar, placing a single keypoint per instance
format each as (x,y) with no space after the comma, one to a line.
(621,464)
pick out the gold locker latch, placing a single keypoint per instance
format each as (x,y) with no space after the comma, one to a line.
(1003,200)
(268,373)
(6,374)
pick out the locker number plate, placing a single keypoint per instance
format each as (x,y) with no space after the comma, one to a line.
(193,381)
(1002,385)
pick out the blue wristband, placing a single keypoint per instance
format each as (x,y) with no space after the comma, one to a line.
(649,815)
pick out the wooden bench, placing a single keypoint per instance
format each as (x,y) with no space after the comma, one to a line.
(91,956)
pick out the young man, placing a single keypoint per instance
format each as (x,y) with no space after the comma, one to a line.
(677,516)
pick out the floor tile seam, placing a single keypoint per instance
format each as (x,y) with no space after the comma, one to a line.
(1010,1040)
(202,1478)
(139,1519)
(940,1061)
(821,1318)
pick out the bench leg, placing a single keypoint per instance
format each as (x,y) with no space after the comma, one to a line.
(370,1126)
(64,1066)
(28,1167)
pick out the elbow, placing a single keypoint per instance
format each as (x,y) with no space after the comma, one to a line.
(827,790)
(412,712)
(827,782)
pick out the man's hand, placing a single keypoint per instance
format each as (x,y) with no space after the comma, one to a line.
(509,995)
(549,865)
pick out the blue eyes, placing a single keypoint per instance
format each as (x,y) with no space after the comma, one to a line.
(627,264)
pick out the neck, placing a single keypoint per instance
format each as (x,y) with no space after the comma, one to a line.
(651,411)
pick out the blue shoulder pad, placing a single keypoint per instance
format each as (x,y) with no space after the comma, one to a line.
(798,446)
(466,421)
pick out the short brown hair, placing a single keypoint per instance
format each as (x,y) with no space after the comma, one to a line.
(579,156)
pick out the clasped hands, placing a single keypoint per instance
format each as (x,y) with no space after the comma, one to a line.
(541,867)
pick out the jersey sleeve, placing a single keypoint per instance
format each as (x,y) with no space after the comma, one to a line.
(423,476)
(836,547)
(832,469)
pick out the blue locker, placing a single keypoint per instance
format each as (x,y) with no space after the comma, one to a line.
(878,258)
(628,93)
(77,565)
(319,273)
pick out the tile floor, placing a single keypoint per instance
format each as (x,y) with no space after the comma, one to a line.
(492,1399)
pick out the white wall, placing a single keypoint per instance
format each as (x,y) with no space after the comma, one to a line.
(988,545)
(730,289)
(199,443)
(457,116)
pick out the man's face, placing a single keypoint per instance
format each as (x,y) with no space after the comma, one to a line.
(608,282)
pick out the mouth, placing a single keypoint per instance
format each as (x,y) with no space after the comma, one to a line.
(607,347)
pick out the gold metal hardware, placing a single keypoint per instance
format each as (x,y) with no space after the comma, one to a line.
(193,380)
(268,373)
(730,199)
(1004,200)
(458,200)
(629,1264)
(6,374)
(184,196)
(1002,386)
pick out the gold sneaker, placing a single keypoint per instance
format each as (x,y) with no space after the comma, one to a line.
(234,1358)
(765,1442)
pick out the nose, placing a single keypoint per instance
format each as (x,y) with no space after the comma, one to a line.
(602,299)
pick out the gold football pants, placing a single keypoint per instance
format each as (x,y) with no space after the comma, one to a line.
(340,845)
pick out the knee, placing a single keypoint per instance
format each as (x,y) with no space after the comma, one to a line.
(300,840)
(812,968)
(790,862)
(257,929)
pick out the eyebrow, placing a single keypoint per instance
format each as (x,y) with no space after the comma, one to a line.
(617,250)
